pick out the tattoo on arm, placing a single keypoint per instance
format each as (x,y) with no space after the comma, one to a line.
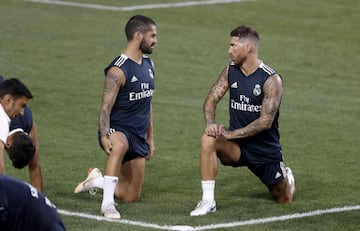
(112,85)
(216,93)
(272,98)
(269,108)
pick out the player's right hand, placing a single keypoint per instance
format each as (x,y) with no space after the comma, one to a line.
(106,143)
(214,130)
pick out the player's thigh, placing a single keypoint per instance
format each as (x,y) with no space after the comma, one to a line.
(228,151)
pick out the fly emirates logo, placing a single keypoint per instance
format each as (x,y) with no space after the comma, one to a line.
(244,105)
(145,93)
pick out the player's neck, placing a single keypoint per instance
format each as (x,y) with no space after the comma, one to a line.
(250,66)
(134,53)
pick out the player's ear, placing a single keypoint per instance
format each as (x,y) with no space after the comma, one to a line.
(249,47)
(139,36)
(7,99)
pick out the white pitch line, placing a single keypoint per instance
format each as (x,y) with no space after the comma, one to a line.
(216,226)
(136,7)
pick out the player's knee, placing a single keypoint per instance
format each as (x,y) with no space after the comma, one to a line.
(208,144)
(283,192)
(284,199)
(127,196)
(205,139)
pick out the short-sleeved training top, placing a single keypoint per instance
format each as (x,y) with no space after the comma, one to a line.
(246,96)
(25,121)
(22,207)
(4,125)
(131,110)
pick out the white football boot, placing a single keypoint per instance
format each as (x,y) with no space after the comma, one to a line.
(291,179)
(109,211)
(86,185)
(204,207)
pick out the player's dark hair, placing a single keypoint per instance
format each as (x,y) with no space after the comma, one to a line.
(15,88)
(137,23)
(246,31)
(22,150)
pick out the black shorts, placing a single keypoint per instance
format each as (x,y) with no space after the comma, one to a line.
(269,170)
(138,146)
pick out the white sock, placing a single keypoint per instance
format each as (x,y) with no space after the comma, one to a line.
(110,183)
(208,188)
(98,182)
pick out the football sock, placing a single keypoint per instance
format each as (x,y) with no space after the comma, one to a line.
(109,189)
(208,188)
(98,182)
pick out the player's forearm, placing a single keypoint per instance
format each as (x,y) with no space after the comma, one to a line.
(36,178)
(209,113)
(104,123)
(35,172)
(252,129)
(150,130)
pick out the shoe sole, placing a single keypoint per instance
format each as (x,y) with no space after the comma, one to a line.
(212,210)
(79,188)
(112,216)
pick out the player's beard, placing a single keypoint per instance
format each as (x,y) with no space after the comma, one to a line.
(239,60)
(145,48)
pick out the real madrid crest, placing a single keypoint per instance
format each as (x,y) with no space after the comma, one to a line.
(257,90)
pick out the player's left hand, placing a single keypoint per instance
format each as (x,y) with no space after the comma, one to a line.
(106,143)
(150,155)
(151,151)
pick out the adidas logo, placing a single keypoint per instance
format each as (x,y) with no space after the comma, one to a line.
(234,85)
(134,79)
(278,174)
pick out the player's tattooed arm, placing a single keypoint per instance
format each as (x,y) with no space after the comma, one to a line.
(114,80)
(216,93)
(270,105)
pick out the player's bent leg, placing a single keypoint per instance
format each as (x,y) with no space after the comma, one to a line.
(208,158)
(228,152)
(211,149)
(131,180)
(284,191)
(120,146)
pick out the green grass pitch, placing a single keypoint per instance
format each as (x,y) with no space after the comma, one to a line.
(60,53)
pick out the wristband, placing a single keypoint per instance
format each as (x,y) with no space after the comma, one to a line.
(111,131)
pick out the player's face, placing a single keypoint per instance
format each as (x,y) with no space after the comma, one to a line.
(149,40)
(237,50)
(16,106)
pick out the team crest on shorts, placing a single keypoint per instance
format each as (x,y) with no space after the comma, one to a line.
(257,90)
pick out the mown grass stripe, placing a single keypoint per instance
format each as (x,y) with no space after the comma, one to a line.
(136,7)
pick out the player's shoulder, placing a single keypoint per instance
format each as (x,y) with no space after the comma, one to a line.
(267,69)
(120,60)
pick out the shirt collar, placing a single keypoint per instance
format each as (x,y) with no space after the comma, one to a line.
(2,111)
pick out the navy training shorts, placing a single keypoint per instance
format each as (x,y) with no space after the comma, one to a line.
(138,147)
(269,170)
